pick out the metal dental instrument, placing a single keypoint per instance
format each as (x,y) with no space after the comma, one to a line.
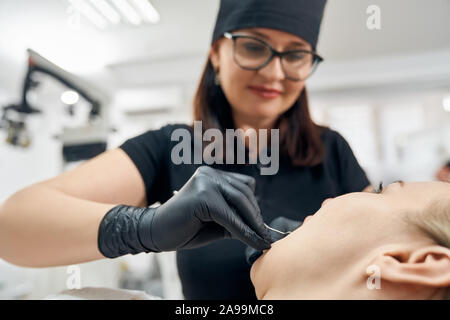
(280,232)
(270,228)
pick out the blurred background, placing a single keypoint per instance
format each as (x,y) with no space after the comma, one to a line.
(81,76)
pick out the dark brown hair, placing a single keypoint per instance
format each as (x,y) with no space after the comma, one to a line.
(300,140)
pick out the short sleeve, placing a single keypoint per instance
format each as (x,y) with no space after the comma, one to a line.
(148,152)
(352,176)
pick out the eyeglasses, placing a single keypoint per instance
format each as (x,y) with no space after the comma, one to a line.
(251,53)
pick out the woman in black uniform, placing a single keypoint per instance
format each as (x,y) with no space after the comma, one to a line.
(315,163)
(261,54)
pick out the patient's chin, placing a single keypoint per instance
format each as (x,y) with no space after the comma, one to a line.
(257,278)
(254,269)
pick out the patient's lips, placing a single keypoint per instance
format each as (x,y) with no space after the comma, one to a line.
(325,201)
(306,219)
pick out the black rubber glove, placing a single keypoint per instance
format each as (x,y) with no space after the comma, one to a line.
(212,205)
(281,224)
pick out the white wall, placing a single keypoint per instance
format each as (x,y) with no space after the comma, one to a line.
(397,137)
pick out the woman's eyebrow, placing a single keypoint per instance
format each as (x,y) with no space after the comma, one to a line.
(262,35)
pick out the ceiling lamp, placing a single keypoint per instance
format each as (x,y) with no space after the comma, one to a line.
(147,10)
(128,11)
(115,12)
(107,11)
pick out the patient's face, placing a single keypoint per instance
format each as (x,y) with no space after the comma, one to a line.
(338,237)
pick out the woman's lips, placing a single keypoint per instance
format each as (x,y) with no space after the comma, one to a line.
(266,93)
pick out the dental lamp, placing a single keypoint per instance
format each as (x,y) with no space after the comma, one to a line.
(80,143)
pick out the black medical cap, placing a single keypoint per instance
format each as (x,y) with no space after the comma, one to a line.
(299,17)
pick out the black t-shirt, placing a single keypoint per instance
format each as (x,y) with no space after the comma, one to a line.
(219,270)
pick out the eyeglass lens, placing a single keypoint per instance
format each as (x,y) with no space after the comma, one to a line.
(253,54)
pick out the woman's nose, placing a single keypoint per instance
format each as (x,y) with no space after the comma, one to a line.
(274,70)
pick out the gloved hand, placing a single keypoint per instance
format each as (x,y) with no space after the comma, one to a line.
(282,224)
(212,205)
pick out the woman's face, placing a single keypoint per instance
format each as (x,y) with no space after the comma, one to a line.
(243,87)
(341,234)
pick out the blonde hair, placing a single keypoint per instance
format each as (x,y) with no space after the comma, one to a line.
(434,222)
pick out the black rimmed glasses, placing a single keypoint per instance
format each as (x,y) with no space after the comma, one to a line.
(252,53)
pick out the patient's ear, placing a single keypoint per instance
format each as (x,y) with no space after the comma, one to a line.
(427,266)
(214,54)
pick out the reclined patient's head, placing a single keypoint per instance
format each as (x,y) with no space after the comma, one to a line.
(396,243)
